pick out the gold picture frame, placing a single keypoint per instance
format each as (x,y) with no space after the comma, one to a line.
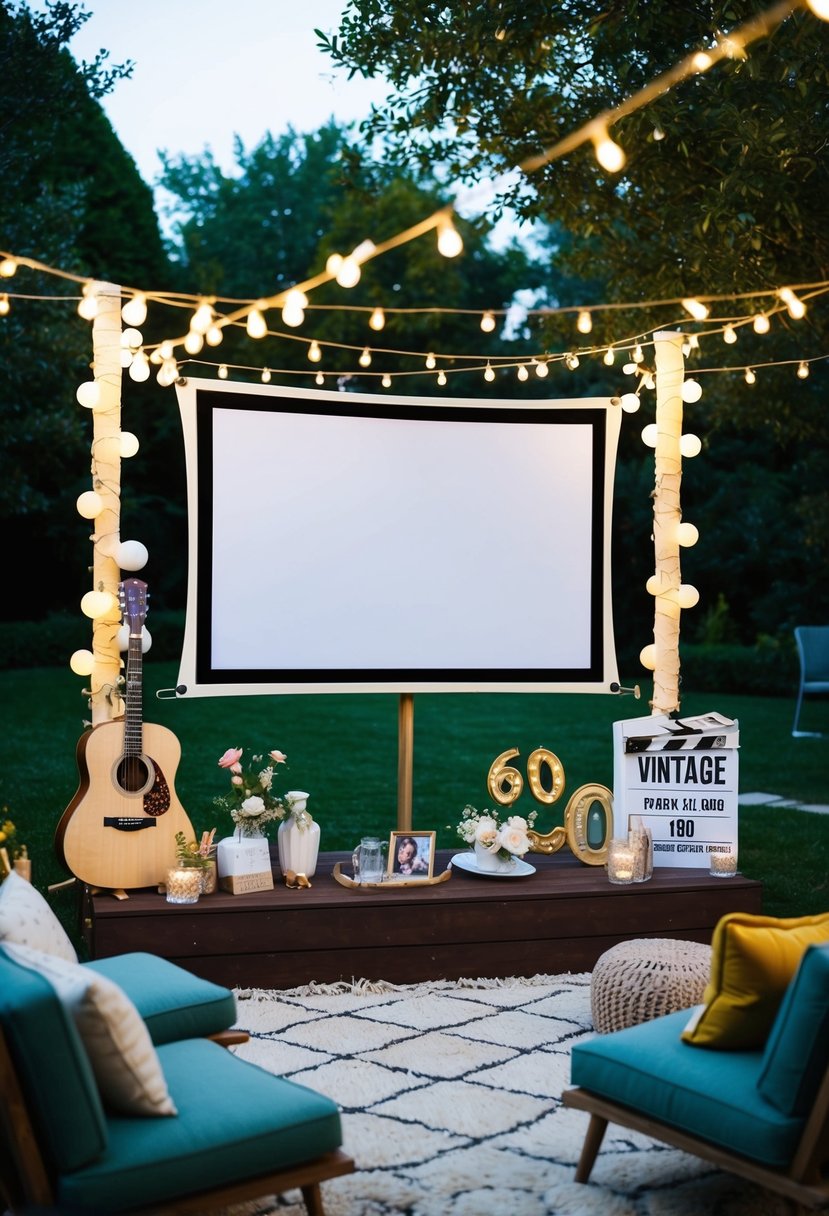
(411,856)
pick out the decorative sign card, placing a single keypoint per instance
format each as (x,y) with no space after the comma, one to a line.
(680,775)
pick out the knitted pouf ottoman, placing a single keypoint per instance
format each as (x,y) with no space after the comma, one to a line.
(638,980)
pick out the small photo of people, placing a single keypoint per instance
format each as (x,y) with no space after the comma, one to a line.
(411,854)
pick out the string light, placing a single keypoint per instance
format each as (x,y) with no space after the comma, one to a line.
(319,379)
(257,326)
(8,268)
(202,318)
(134,311)
(386,381)
(802,370)
(637,354)
(650,435)
(266,375)
(571,361)
(140,367)
(523,374)
(214,335)
(450,242)
(348,273)
(691,391)
(223,371)
(431,361)
(584,323)
(4,305)
(658,134)
(293,310)
(690,445)
(696,308)
(314,352)
(761,323)
(489,374)
(686,535)
(377,319)
(820,8)
(541,370)
(609,357)
(193,342)
(441,378)
(487,322)
(608,153)
(365,358)
(750,377)
(796,307)
(630,403)
(729,335)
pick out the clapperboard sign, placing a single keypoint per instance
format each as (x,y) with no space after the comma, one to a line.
(681,776)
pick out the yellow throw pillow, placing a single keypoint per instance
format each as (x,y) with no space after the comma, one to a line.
(753,959)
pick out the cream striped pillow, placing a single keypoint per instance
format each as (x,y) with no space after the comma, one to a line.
(123,1058)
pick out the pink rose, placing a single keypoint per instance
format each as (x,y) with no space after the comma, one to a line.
(277,757)
(232,756)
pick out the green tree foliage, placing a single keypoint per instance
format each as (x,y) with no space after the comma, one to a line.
(294,200)
(732,199)
(71,198)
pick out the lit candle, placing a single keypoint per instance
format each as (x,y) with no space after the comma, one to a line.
(620,861)
(183,885)
(723,864)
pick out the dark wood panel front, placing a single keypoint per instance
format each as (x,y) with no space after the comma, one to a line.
(562,918)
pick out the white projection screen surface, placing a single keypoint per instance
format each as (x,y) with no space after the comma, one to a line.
(344,542)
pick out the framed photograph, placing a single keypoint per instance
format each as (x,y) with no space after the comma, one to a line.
(411,855)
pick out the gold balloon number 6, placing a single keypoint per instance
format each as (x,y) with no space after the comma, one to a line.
(588,816)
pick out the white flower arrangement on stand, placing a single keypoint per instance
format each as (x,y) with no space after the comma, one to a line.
(496,844)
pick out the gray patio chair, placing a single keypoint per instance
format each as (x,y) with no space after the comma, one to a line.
(813,649)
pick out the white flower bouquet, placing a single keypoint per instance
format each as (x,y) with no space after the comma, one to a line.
(485,829)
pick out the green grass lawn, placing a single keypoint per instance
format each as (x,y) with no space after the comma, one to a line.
(343,749)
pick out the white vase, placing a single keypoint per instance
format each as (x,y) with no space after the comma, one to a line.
(485,860)
(298,847)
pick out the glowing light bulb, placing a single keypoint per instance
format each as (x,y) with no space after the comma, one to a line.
(658,134)
(193,342)
(441,378)
(266,375)
(431,361)
(609,155)
(128,445)
(89,504)
(750,377)
(820,8)
(648,381)
(687,596)
(88,308)
(584,323)
(256,325)
(686,535)
(696,308)
(571,361)
(96,604)
(319,379)
(541,370)
(88,394)
(691,391)
(450,243)
(222,372)
(637,354)
(214,335)
(802,370)
(202,318)
(166,350)
(629,368)
(365,358)
(609,357)
(125,357)
(314,352)
(8,268)
(386,381)
(690,445)
(134,311)
(630,403)
(523,374)
(729,335)
(167,373)
(487,322)
(647,657)
(489,374)
(701,62)
(377,319)
(348,274)
(650,434)
(293,310)
(761,323)
(4,305)
(82,662)
(795,306)
(140,367)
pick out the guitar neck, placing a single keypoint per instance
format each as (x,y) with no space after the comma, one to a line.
(133,717)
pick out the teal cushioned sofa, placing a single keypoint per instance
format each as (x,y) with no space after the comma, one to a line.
(762,1114)
(240,1133)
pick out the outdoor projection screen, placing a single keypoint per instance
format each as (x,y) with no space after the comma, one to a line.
(345,542)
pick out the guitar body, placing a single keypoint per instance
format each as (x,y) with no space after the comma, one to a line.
(120,829)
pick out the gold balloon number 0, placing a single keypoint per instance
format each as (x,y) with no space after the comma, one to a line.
(588,816)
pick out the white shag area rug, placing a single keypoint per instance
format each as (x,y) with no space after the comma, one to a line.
(451,1104)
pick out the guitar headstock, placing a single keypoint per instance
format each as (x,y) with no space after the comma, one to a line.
(133,596)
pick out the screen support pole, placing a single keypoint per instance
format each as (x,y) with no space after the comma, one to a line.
(405,760)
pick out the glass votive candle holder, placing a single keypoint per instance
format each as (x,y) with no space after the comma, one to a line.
(207,875)
(723,863)
(621,859)
(183,885)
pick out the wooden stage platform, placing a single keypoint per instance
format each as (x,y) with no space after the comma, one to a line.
(559,919)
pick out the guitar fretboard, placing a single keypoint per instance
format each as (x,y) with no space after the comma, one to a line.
(133,720)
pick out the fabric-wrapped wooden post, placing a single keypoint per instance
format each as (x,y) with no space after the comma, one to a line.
(666,518)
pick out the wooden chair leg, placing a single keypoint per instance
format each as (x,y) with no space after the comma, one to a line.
(313,1199)
(592,1143)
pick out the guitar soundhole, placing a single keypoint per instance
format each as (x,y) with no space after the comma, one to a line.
(133,774)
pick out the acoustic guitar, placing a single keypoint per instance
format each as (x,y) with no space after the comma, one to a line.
(120,828)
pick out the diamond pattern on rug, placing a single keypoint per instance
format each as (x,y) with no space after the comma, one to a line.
(439,1055)
(464,1108)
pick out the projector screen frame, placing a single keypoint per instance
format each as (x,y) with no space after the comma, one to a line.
(198,674)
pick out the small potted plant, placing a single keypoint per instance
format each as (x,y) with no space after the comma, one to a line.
(194,872)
